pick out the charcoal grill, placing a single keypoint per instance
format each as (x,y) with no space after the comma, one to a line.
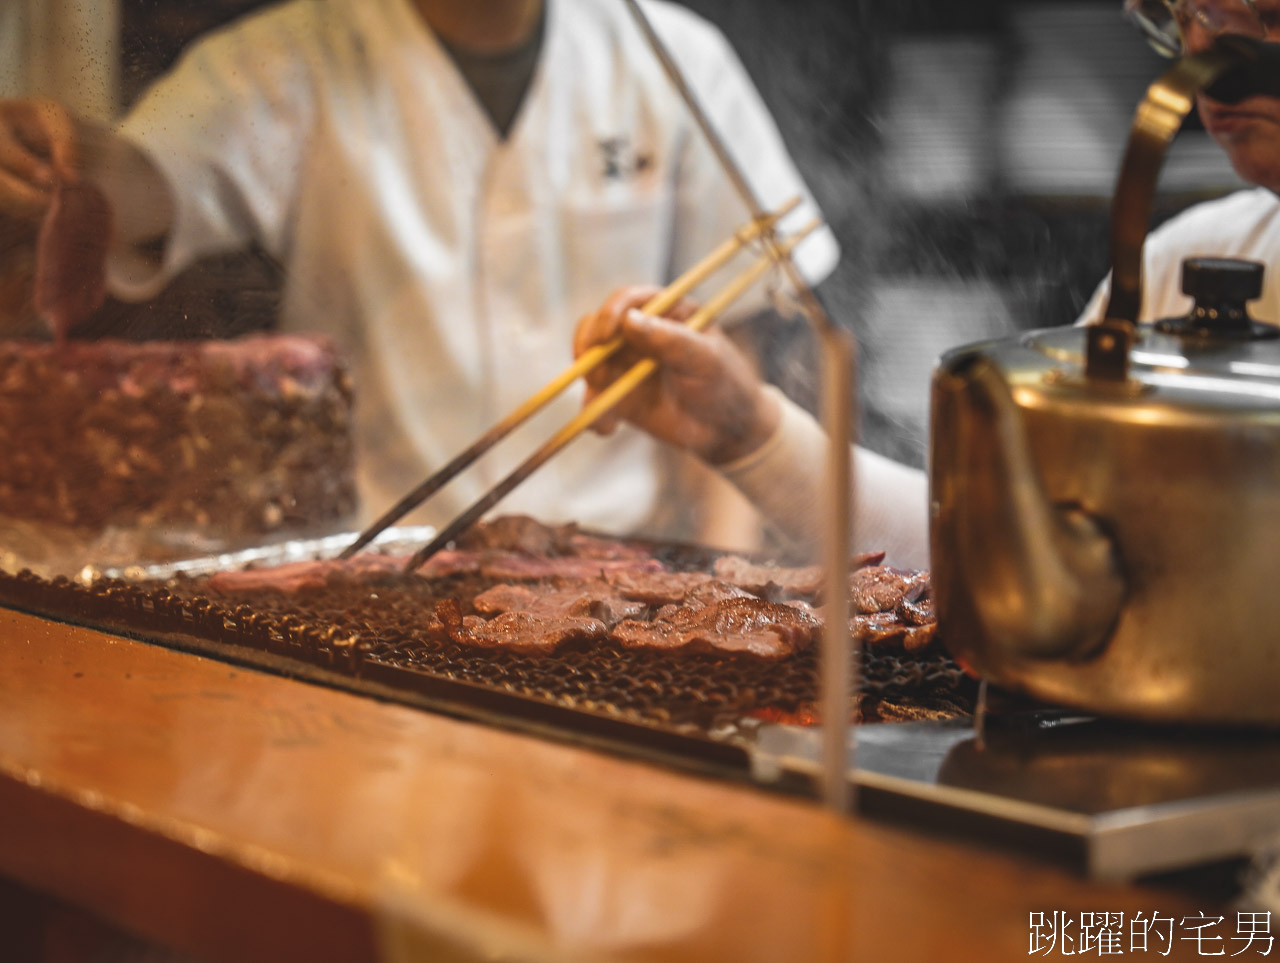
(727,716)
(696,710)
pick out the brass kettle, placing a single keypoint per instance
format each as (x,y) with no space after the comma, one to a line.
(1105,527)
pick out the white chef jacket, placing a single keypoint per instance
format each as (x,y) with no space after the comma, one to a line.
(452,266)
(1245,224)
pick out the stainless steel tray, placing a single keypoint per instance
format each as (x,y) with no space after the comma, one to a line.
(393,541)
(1111,800)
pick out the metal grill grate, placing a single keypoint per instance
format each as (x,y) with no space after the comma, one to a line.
(381,630)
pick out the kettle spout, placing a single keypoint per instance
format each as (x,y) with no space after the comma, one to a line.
(1031,577)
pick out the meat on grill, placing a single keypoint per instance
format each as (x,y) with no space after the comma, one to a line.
(916,607)
(522,535)
(594,599)
(592,546)
(777,582)
(711,592)
(528,633)
(884,630)
(509,566)
(295,576)
(769,581)
(500,566)
(519,533)
(532,634)
(655,587)
(736,625)
(711,616)
(879,588)
(543,602)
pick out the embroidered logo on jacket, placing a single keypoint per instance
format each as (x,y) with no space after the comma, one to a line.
(620,161)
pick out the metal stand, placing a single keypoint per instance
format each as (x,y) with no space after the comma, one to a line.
(839,360)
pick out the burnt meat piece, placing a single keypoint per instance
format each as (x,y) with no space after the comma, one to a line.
(448,613)
(739,625)
(864,559)
(892,609)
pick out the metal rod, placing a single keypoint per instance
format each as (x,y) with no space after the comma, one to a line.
(836,666)
(841,351)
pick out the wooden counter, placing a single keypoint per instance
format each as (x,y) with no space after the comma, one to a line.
(244,817)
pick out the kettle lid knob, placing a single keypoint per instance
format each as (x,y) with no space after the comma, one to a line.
(1217,279)
(1220,286)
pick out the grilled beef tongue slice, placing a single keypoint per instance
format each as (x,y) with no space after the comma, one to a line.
(593,598)
(71,257)
(729,625)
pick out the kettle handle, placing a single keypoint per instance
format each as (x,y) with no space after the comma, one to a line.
(1234,66)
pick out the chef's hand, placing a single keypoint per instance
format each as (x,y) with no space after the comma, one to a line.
(42,182)
(705,396)
(81,193)
(40,147)
(44,147)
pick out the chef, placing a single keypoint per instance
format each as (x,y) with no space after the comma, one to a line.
(1245,224)
(448,185)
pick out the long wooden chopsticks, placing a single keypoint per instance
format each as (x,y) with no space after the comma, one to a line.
(605,401)
(588,361)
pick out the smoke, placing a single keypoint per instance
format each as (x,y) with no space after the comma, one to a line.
(964,155)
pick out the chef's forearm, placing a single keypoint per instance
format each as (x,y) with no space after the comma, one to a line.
(785,479)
